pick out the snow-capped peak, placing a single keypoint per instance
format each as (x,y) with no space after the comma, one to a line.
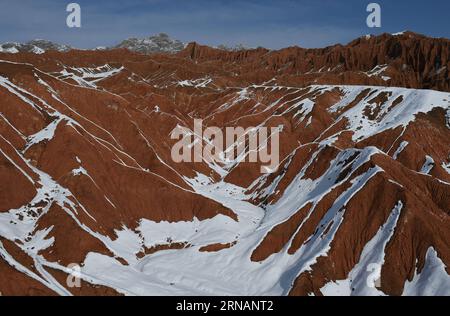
(161,43)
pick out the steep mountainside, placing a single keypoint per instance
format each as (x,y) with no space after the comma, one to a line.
(362,192)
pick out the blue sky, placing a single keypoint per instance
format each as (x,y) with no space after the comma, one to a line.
(268,23)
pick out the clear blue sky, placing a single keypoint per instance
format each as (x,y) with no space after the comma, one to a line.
(268,23)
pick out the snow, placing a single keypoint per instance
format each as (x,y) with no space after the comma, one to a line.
(320,243)
(428,165)
(16,165)
(7,84)
(389,117)
(400,149)
(216,230)
(11,50)
(447,118)
(227,272)
(153,44)
(12,126)
(150,234)
(201,273)
(97,73)
(196,83)
(51,283)
(433,280)
(44,135)
(446,167)
(230,271)
(88,77)
(361,279)
(79,171)
(127,244)
(39,241)
(377,70)
(37,50)
(304,107)
(37,46)
(242,95)
(20,225)
(223,273)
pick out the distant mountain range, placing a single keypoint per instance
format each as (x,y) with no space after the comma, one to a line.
(37,46)
(160,43)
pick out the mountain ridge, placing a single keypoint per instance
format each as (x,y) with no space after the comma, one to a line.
(162,42)
(405,60)
(159,43)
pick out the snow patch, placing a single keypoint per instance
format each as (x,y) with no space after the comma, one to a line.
(428,165)
(433,280)
(88,77)
(400,149)
(377,70)
(79,171)
(44,135)
(447,118)
(196,83)
(446,167)
(389,116)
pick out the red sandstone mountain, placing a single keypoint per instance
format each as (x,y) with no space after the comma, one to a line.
(363,184)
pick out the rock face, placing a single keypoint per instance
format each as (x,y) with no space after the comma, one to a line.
(359,205)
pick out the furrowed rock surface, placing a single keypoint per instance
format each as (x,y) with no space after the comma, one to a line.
(359,204)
